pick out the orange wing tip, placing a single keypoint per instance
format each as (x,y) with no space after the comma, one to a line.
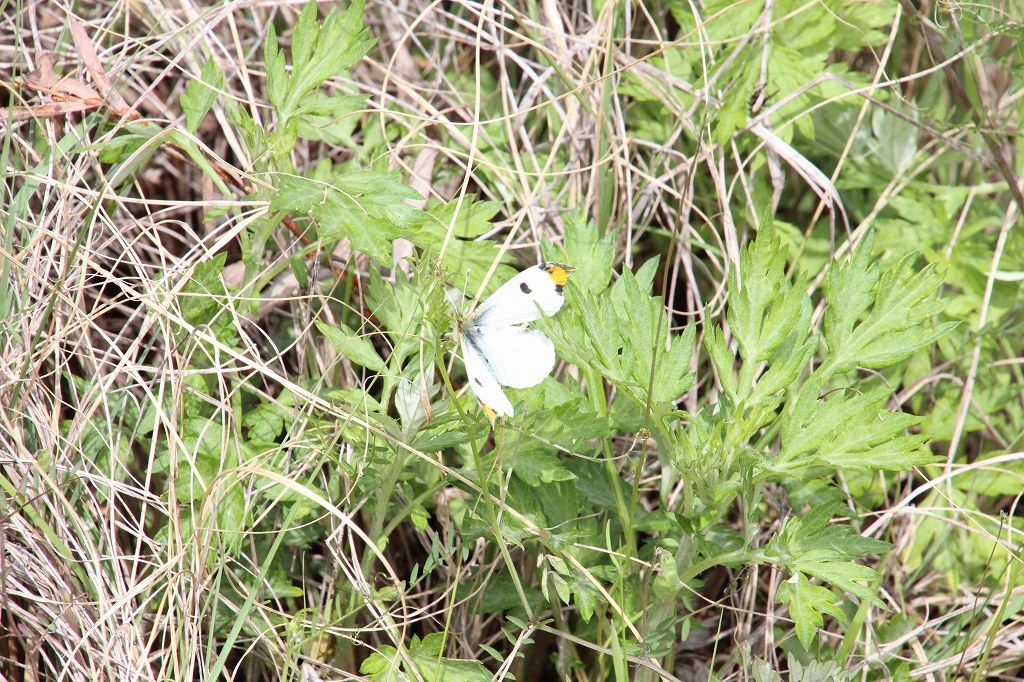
(491,414)
(558,273)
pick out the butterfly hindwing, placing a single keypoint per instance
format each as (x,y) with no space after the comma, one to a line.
(518,357)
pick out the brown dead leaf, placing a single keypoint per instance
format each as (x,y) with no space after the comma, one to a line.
(70,94)
(44,79)
(43,75)
(92,62)
(43,111)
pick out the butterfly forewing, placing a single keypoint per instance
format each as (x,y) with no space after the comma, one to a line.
(525,297)
(482,381)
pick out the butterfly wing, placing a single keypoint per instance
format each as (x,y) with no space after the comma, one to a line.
(517,356)
(482,380)
(525,297)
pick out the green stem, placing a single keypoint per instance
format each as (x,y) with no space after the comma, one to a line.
(625,512)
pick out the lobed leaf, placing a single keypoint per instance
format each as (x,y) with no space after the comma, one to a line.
(356,348)
(807,603)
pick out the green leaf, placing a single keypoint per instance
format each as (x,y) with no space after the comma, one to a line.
(845,575)
(813,532)
(591,253)
(535,466)
(398,308)
(673,375)
(443,431)
(425,655)
(200,94)
(357,398)
(766,308)
(411,397)
(811,545)
(561,414)
(784,372)
(356,348)
(875,321)
(205,304)
(571,584)
(469,261)
(330,119)
(735,107)
(723,359)
(622,333)
(584,594)
(319,52)
(468,218)
(266,420)
(851,432)
(806,604)
(366,207)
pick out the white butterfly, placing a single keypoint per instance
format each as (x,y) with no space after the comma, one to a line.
(497,351)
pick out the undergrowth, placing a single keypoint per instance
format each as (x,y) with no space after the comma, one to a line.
(782,440)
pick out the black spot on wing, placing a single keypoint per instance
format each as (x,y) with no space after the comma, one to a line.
(525,288)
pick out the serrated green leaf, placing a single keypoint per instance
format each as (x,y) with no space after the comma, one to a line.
(850,431)
(399,309)
(319,52)
(813,546)
(299,195)
(200,94)
(468,218)
(470,261)
(673,375)
(735,107)
(814,533)
(592,253)
(898,346)
(442,432)
(846,575)
(232,519)
(723,359)
(382,665)
(584,594)
(202,299)
(625,332)
(330,119)
(356,398)
(876,320)
(366,207)
(783,375)
(807,604)
(564,415)
(536,466)
(265,421)
(278,81)
(766,309)
(355,347)
(898,454)
(435,668)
